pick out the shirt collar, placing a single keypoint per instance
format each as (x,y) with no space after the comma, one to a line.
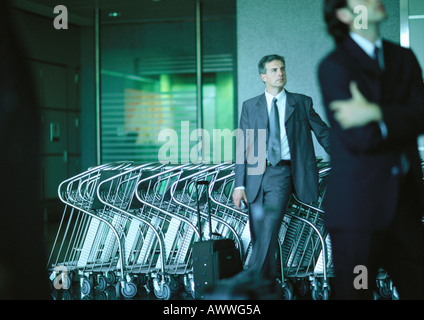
(279,96)
(365,44)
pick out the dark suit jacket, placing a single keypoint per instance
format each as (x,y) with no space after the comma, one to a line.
(300,119)
(364,182)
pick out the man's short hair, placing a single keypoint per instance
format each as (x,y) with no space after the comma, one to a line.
(335,27)
(262,63)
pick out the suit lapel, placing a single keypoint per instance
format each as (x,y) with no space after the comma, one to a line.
(261,110)
(365,70)
(261,116)
(360,57)
(290,106)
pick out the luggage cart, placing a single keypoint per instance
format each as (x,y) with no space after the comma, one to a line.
(166,198)
(220,193)
(153,197)
(119,199)
(167,271)
(138,223)
(63,260)
(305,247)
(92,237)
(184,195)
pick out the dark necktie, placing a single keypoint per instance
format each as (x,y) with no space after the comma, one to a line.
(274,143)
(377,57)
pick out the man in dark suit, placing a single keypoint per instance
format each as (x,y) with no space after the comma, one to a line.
(374,96)
(275,158)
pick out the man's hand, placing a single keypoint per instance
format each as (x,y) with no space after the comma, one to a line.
(357,111)
(238,195)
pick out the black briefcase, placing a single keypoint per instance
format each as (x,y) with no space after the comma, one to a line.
(213,259)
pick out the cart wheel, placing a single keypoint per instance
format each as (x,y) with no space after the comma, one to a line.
(385,291)
(395,295)
(174,285)
(62,281)
(110,292)
(66,295)
(71,275)
(302,288)
(111,277)
(287,293)
(158,293)
(180,279)
(54,294)
(188,286)
(128,290)
(316,294)
(101,283)
(166,292)
(326,294)
(66,282)
(149,285)
(86,287)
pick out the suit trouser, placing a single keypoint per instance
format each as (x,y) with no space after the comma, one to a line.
(398,249)
(266,213)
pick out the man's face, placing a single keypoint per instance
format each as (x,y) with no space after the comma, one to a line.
(376,11)
(275,76)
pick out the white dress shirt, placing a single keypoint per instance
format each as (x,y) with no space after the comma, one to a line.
(281,104)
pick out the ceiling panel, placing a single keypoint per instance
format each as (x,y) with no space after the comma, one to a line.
(127,11)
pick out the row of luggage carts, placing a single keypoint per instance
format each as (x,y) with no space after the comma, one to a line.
(129,228)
